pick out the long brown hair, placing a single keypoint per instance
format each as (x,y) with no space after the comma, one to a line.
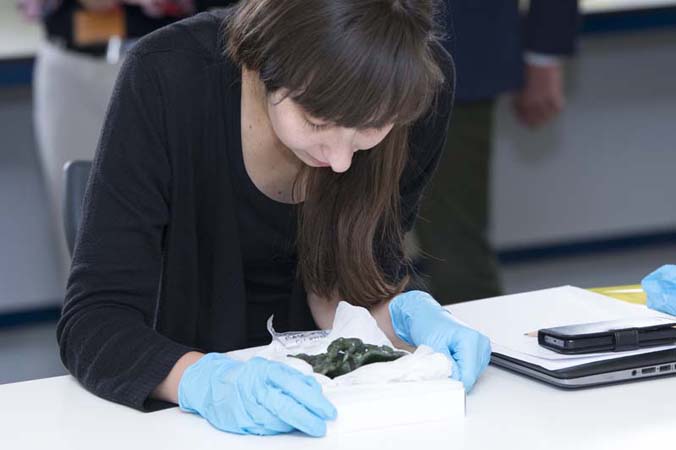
(357,64)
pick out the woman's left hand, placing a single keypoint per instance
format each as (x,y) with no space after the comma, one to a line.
(541,98)
(418,319)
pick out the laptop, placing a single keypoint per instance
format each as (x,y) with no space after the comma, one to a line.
(644,366)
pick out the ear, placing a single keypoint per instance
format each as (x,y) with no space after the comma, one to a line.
(276,97)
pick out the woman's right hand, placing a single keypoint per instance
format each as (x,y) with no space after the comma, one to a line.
(254,397)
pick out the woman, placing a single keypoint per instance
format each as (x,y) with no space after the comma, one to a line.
(262,160)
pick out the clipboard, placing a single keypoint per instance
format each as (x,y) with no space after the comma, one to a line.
(506,320)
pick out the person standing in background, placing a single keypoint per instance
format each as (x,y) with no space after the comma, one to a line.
(75,69)
(493,56)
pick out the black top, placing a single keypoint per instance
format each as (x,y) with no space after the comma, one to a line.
(157,268)
(268,252)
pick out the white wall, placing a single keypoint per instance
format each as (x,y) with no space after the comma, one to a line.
(607,166)
(19,38)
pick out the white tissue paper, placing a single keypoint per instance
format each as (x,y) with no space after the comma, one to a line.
(415,388)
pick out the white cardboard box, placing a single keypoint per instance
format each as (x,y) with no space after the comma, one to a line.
(378,406)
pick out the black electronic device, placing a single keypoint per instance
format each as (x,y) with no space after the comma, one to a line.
(609,336)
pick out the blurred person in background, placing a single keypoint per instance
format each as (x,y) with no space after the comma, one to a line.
(496,51)
(75,69)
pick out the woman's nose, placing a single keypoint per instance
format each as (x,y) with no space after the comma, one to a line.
(339,155)
(340,158)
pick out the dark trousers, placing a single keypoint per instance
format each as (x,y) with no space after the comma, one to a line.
(456,261)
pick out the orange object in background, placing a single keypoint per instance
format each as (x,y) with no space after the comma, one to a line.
(97,27)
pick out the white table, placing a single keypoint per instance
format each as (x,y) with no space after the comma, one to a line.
(504,411)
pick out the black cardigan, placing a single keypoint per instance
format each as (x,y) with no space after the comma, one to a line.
(157,269)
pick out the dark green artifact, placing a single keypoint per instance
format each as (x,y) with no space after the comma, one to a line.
(347,354)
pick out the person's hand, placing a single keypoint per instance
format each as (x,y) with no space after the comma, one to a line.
(36,9)
(254,397)
(542,95)
(660,289)
(418,319)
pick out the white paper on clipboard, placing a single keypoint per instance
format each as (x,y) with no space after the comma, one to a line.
(506,319)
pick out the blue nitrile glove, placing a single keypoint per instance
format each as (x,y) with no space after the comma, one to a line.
(419,320)
(660,287)
(254,397)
